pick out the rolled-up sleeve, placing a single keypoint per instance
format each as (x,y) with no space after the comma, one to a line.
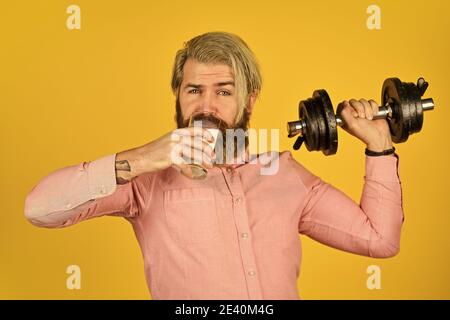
(80,192)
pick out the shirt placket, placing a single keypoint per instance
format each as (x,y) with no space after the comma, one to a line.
(243,233)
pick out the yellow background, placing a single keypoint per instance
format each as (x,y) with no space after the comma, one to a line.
(68,96)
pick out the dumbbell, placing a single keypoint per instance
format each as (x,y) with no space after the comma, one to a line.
(402,106)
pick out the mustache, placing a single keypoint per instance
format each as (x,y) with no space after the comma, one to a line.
(206,120)
(224,146)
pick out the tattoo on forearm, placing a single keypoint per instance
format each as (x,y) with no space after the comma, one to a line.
(122,165)
(120,180)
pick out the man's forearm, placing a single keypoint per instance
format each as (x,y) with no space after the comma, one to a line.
(129,164)
(159,154)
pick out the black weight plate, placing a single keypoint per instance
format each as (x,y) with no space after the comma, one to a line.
(415,101)
(394,93)
(320,118)
(389,95)
(305,116)
(320,121)
(413,97)
(310,133)
(314,124)
(331,145)
(419,112)
(410,107)
(407,111)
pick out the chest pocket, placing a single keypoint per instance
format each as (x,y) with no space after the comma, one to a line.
(191,214)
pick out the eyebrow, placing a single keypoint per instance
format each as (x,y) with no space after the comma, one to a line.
(219,84)
(226,83)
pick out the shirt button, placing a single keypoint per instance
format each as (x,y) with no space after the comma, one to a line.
(103,190)
(68,206)
(251,273)
(244,235)
(238,199)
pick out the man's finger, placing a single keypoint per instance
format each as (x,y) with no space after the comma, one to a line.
(359,107)
(367,109)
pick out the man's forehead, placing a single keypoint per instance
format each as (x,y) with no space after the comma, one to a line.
(218,72)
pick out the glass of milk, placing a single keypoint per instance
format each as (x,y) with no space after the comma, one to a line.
(197,171)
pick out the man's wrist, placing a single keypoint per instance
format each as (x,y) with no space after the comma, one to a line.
(379,146)
(387,152)
(383,147)
(128,165)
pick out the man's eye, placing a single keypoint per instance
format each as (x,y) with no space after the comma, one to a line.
(193,91)
(224,93)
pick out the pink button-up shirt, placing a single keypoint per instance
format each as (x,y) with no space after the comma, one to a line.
(234,235)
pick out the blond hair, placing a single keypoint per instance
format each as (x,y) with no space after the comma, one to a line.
(223,48)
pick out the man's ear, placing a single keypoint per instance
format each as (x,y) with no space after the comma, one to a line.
(251,101)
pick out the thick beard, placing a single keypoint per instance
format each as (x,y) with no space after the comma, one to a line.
(237,145)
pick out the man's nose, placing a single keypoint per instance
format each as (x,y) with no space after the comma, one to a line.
(208,102)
